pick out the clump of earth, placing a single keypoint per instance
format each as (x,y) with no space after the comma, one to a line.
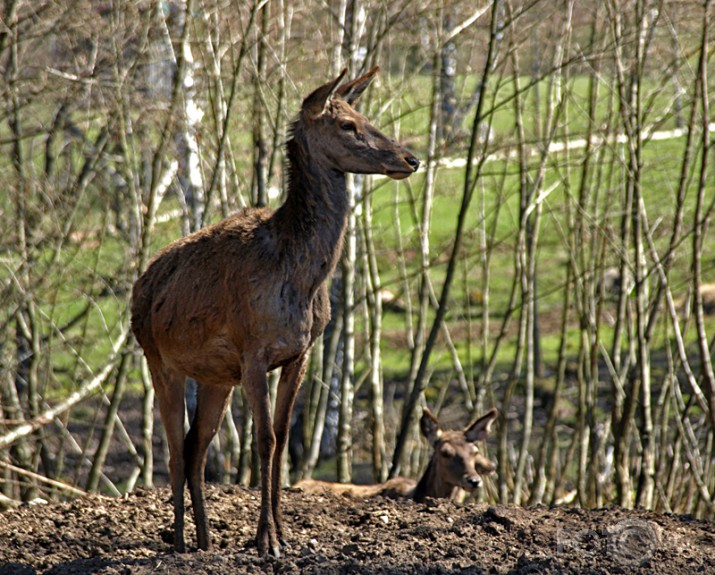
(331,534)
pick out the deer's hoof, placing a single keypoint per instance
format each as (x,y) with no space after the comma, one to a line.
(282,543)
(267,542)
(272,550)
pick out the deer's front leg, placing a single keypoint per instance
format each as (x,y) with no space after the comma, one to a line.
(288,386)
(256,386)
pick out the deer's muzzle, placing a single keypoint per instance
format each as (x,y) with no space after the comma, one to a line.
(410,167)
(471,482)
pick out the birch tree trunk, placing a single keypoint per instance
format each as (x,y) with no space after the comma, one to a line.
(470,183)
(191,114)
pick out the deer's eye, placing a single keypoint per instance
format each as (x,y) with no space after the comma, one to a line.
(348,126)
(447,451)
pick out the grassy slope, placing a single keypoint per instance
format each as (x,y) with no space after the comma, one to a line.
(88,268)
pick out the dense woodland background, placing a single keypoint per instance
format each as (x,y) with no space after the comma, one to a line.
(553,258)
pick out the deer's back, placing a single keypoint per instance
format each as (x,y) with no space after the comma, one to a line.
(192,269)
(207,297)
(396,488)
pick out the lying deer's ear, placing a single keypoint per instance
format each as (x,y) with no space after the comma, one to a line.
(429,425)
(481,428)
(351,91)
(314,103)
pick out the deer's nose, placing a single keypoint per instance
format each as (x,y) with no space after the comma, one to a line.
(474,481)
(413,162)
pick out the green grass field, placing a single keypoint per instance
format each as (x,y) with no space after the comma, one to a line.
(93,270)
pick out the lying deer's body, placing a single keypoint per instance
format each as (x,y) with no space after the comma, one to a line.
(455,466)
(231,302)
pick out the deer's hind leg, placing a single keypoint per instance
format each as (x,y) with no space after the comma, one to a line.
(169,387)
(211,404)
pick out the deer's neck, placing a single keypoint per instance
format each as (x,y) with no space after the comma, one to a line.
(431,485)
(312,219)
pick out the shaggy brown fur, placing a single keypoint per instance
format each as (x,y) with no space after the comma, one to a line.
(231,302)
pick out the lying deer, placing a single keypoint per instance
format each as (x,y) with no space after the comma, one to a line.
(456,465)
(231,302)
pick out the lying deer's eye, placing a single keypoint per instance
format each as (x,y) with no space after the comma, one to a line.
(348,126)
(447,451)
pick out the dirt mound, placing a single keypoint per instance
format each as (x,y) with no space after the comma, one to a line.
(331,534)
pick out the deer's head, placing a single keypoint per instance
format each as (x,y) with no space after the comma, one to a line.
(344,138)
(457,460)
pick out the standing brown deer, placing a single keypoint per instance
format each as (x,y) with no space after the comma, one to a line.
(231,302)
(455,465)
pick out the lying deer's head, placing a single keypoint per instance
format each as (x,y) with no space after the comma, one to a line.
(456,457)
(345,138)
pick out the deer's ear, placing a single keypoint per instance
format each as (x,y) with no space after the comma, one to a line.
(429,425)
(314,103)
(351,91)
(481,428)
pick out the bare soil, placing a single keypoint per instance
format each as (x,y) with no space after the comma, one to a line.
(330,534)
